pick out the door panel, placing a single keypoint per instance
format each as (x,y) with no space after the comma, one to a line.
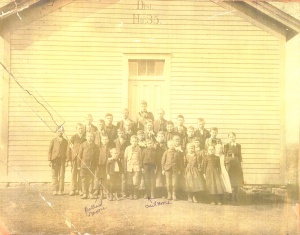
(151,91)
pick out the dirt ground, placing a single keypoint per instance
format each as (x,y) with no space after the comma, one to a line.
(23,211)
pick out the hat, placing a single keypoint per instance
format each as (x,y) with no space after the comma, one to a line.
(144,102)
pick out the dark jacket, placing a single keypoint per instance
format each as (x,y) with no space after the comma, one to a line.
(112,134)
(103,155)
(88,156)
(110,167)
(58,149)
(76,141)
(93,129)
(160,125)
(149,157)
(202,137)
(170,160)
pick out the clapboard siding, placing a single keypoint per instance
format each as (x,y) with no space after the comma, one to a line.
(222,68)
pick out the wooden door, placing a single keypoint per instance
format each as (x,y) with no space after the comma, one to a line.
(150,91)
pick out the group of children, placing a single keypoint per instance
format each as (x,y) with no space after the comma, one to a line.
(146,158)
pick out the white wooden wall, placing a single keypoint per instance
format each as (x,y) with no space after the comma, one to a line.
(222,69)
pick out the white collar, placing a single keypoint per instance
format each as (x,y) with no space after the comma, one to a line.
(233,144)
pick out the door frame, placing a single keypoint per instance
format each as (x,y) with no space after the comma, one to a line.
(167,77)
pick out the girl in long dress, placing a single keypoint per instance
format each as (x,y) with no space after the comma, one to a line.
(212,171)
(233,164)
(224,173)
(194,179)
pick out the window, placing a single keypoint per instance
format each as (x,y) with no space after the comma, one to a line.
(146,68)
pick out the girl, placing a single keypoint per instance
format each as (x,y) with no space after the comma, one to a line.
(224,176)
(213,140)
(233,164)
(194,179)
(212,171)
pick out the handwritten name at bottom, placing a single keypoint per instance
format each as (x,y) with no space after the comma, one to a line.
(157,203)
(94,209)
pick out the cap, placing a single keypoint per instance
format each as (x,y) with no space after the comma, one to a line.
(144,102)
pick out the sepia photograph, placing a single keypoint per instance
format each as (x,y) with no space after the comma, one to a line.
(143,117)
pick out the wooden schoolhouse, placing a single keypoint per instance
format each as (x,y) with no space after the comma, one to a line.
(222,61)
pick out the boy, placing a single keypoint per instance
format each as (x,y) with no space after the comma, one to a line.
(120,145)
(149,168)
(132,166)
(120,124)
(74,145)
(128,130)
(110,129)
(170,131)
(160,124)
(89,127)
(202,133)
(87,162)
(213,140)
(57,156)
(143,116)
(141,139)
(170,167)
(181,129)
(161,147)
(99,181)
(149,132)
(113,171)
(100,132)
(180,151)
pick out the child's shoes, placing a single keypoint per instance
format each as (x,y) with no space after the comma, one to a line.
(195,199)
(72,193)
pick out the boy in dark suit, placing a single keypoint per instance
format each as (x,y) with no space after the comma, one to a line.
(171,168)
(87,162)
(120,124)
(202,133)
(73,149)
(180,128)
(128,130)
(121,144)
(149,167)
(170,131)
(110,129)
(100,179)
(89,127)
(160,124)
(57,155)
(100,132)
(113,171)
(180,179)
(161,147)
